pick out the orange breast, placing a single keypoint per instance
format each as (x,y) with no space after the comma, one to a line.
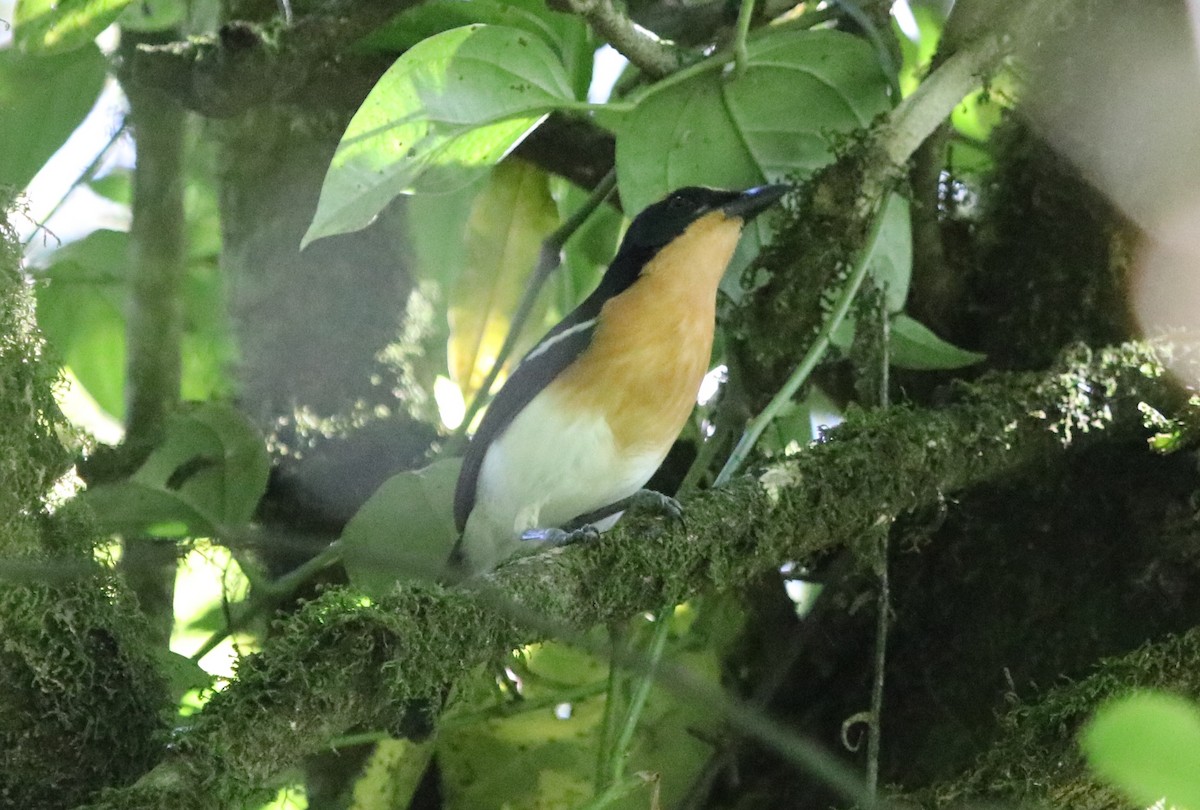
(653,342)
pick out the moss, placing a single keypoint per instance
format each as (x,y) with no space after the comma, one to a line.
(1037,762)
(81,703)
(1054,257)
(31,455)
(817,238)
(80,707)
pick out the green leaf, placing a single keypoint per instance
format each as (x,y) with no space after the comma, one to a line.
(891,255)
(566,34)
(587,253)
(782,117)
(135,508)
(1148,745)
(42,100)
(214,458)
(404,531)
(436,226)
(80,308)
(508,222)
(48,26)
(915,347)
(440,117)
(916,56)
(182,673)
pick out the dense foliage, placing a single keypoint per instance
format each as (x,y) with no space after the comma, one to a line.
(264,265)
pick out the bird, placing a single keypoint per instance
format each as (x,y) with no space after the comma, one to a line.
(589,413)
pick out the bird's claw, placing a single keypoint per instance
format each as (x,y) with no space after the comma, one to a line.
(649,502)
(559,537)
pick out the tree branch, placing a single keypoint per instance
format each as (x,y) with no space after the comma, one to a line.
(247,64)
(654,56)
(339,664)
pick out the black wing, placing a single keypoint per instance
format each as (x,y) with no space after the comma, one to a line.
(545,362)
(541,365)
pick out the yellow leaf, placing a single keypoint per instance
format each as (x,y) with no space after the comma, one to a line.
(509,220)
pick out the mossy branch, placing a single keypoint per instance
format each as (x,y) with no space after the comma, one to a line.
(340,664)
(247,64)
(1036,764)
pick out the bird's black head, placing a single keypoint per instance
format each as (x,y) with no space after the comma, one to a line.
(658,224)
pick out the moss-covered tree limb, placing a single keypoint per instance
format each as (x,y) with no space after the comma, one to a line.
(71,640)
(339,664)
(1038,761)
(246,64)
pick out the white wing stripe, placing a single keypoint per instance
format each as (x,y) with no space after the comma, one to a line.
(545,345)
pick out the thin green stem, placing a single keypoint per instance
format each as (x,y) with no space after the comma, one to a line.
(723,56)
(811,359)
(619,790)
(658,643)
(551,258)
(740,55)
(608,724)
(270,594)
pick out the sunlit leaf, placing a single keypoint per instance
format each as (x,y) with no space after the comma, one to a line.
(134,508)
(42,100)
(916,56)
(181,672)
(1148,745)
(62,25)
(80,308)
(404,531)
(915,347)
(509,220)
(440,117)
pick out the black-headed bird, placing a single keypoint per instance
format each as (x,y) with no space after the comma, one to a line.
(590,412)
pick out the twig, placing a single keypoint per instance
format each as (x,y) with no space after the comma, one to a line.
(84,176)
(652,55)
(883,601)
(740,55)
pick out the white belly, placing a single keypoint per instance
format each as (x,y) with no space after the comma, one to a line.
(550,466)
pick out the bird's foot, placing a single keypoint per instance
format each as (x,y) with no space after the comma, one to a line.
(649,502)
(558,537)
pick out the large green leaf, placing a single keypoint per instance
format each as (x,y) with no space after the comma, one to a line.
(134,508)
(214,458)
(62,25)
(781,118)
(509,220)
(440,117)
(1148,745)
(80,308)
(404,531)
(42,100)
(567,34)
